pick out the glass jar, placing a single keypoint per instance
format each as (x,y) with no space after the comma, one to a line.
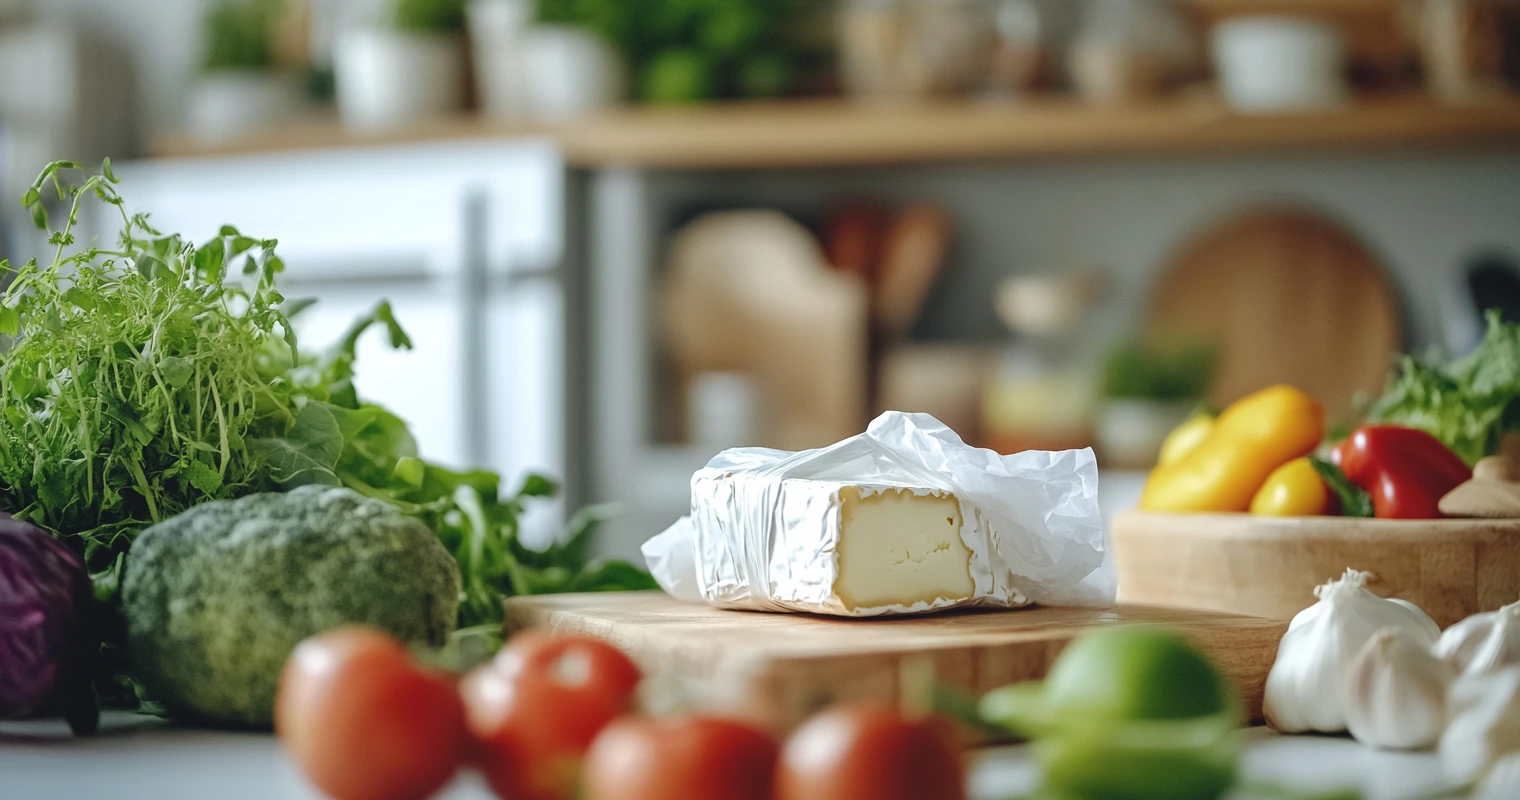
(872,36)
(1043,394)
(1129,50)
(905,49)
(1461,44)
(1018,51)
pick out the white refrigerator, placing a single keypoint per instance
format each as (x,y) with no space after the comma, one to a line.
(465,239)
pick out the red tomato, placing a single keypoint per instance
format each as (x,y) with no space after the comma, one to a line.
(870,753)
(580,660)
(680,758)
(366,723)
(537,706)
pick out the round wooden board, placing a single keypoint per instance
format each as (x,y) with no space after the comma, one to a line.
(1269,566)
(1289,297)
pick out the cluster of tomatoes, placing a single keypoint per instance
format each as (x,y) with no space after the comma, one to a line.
(550,718)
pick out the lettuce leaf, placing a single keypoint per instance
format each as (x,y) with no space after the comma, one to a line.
(1469,404)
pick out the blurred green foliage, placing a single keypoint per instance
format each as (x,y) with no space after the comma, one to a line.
(239,34)
(1174,372)
(430,16)
(687,51)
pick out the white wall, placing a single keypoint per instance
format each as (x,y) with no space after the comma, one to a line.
(1423,214)
(163,38)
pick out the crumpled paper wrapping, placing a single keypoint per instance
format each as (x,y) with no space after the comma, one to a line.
(763,529)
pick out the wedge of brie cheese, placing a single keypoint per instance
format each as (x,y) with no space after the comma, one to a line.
(899,548)
(902,519)
(839,547)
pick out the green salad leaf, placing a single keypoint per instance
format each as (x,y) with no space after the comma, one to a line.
(1469,403)
(137,379)
(140,380)
(1354,501)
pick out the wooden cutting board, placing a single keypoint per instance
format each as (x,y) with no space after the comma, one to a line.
(776,669)
(1289,297)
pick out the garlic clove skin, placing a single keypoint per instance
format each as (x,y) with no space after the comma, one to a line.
(1482,642)
(1395,692)
(1502,779)
(1416,614)
(1306,686)
(1303,689)
(1458,644)
(1484,723)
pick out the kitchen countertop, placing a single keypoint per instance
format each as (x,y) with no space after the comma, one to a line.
(141,758)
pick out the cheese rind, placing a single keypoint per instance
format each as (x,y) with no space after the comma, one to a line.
(841,547)
(901,548)
(853,529)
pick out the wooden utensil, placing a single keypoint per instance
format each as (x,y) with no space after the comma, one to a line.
(915,250)
(1269,566)
(1493,492)
(944,380)
(749,292)
(853,238)
(1289,297)
(776,669)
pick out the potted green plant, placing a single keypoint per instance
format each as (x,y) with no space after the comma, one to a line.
(1147,390)
(240,87)
(538,70)
(685,52)
(409,68)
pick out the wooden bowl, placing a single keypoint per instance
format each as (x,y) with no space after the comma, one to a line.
(1269,566)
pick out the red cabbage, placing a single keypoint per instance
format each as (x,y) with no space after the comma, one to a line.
(48,635)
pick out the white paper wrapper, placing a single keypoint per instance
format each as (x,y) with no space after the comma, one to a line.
(764,528)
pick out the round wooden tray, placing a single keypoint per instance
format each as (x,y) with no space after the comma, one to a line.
(1269,566)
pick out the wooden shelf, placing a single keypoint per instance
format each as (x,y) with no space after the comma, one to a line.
(837,133)
(1311,7)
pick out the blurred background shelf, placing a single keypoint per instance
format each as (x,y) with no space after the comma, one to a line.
(622,259)
(838,133)
(1291,6)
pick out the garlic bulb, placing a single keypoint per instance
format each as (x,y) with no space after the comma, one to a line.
(1502,779)
(1395,692)
(1484,724)
(1307,682)
(1482,642)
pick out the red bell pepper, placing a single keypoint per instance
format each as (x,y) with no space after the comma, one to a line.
(1407,471)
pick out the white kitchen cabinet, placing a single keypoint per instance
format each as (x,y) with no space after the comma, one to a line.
(464,239)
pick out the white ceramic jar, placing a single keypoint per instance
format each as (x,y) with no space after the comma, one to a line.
(570,72)
(226,104)
(497,29)
(1280,63)
(388,78)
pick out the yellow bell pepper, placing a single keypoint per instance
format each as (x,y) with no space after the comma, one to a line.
(1294,489)
(1185,438)
(1253,437)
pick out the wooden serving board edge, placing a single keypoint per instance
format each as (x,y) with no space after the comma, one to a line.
(779,691)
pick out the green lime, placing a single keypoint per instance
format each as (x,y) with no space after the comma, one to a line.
(1170,760)
(1135,673)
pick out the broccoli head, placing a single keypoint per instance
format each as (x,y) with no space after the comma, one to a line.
(217,597)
